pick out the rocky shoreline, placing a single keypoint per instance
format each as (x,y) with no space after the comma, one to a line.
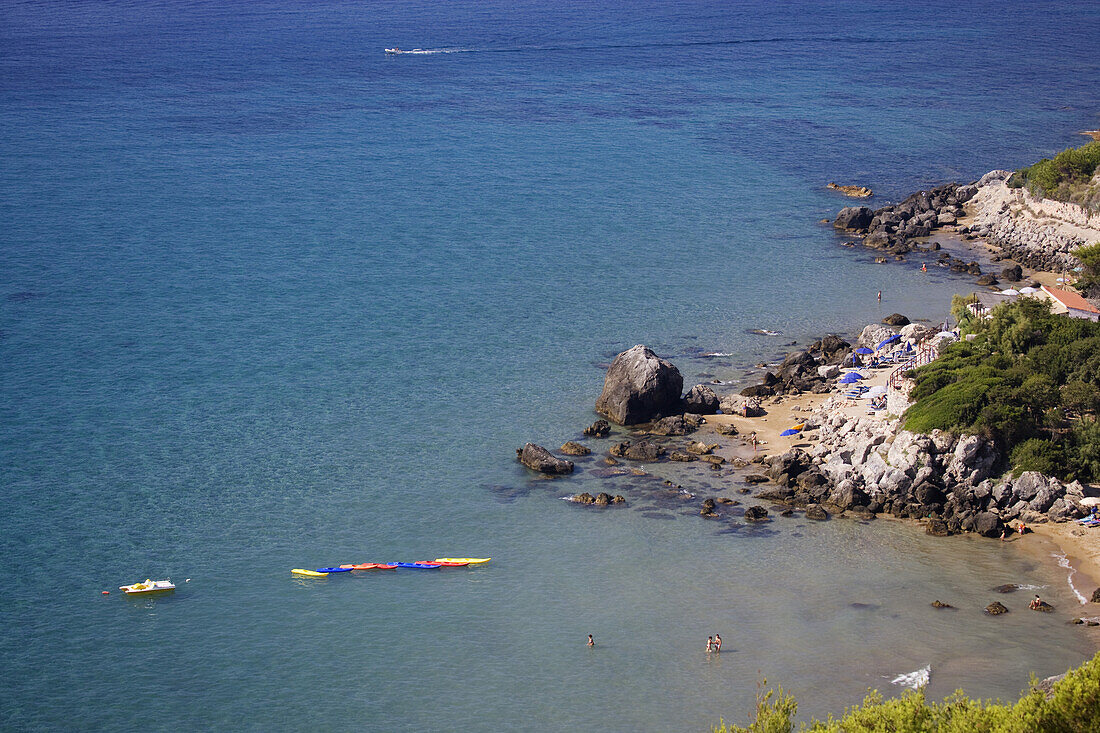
(851,465)
(1036,233)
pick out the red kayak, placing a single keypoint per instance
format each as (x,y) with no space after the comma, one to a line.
(445,564)
(369,566)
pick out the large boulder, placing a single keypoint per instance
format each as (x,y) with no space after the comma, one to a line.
(539,459)
(831,347)
(701,400)
(640,387)
(1012,273)
(988,524)
(853,217)
(874,333)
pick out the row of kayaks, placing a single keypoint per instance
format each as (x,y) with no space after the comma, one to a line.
(440,562)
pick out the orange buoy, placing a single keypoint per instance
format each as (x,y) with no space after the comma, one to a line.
(106,592)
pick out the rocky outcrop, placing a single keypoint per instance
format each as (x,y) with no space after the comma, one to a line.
(896,319)
(539,459)
(831,349)
(598,429)
(756,513)
(951,482)
(600,499)
(853,218)
(858,192)
(640,387)
(642,450)
(996,608)
(575,449)
(894,228)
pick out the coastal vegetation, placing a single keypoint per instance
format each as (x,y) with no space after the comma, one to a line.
(1065,177)
(1088,280)
(1027,379)
(1073,704)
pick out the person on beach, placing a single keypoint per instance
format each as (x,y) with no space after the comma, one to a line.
(1021,529)
(753,438)
(1003,534)
(590,641)
(717,643)
(710,645)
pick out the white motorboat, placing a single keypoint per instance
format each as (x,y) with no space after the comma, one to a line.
(393,51)
(148,586)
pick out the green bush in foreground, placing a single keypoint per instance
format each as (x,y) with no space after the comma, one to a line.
(1072,707)
(1029,380)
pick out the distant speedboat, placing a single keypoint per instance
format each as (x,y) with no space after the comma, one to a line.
(393,51)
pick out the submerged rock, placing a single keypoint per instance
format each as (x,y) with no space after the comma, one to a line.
(896,319)
(996,608)
(575,449)
(539,459)
(941,604)
(639,387)
(756,513)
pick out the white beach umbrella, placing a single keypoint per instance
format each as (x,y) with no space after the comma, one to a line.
(1010,291)
(877,390)
(1028,290)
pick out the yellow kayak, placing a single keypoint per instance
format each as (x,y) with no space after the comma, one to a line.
(310,573)
(468,560)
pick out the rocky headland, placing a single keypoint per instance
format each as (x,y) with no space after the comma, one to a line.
(1035,232)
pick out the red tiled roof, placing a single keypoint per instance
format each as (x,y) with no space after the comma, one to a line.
(1071,300)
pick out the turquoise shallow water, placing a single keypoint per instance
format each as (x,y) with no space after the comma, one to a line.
(270,299)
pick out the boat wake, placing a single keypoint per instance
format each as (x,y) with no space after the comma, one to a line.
(675,44)
(426,51)
(914,680)
(1063,562)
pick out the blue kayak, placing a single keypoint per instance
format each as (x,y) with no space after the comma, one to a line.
(416,565)
(334,570)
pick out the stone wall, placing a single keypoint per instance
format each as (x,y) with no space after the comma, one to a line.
(1038,233)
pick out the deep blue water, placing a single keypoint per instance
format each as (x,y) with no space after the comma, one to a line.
(271,299)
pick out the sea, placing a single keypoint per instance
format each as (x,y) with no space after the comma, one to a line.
(271,298)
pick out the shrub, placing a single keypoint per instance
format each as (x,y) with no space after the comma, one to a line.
(1061,177)
(1028,380)
(1073,705)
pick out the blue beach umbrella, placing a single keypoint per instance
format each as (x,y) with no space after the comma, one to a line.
(789,431)
(864,350)
(851,377)
(887,342)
